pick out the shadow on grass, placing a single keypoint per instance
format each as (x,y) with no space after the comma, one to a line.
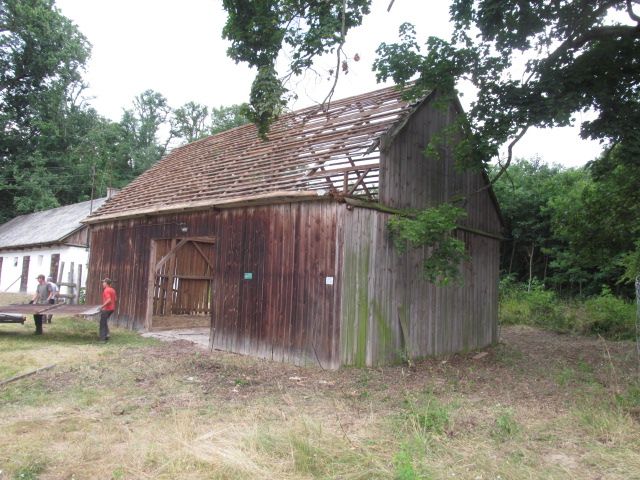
(65,331)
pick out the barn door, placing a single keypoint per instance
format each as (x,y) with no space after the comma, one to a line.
(182,271)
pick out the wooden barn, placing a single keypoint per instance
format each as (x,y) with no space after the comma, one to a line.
(263,242)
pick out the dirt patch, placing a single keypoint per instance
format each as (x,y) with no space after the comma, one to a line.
(198,336)
(529,365)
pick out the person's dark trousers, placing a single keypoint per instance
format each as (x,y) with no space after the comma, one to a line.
(38,321)
(104,325)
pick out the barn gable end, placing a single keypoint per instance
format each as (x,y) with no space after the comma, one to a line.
(389,311)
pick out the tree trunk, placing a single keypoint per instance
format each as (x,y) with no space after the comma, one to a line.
(513,254)
(533,247)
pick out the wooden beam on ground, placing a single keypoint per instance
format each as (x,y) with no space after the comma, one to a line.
(32,372)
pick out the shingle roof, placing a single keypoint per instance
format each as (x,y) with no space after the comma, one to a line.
(311,150)
(47,226)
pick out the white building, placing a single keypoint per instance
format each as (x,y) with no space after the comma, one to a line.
(53,243)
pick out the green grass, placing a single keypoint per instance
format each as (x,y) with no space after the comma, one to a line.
(23,351)
(136,408)
(506,427)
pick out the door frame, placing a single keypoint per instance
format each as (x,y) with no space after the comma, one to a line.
(155,264)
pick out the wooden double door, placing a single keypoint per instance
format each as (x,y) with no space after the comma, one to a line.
(181,283)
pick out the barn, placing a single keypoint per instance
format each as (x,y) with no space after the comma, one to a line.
(280,247)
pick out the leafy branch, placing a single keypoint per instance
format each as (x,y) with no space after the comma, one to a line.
(260,29)
(433,229)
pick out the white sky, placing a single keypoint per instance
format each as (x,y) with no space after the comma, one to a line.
(176,48)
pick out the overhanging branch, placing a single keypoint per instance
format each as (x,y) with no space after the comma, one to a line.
(597,33)
(631,13)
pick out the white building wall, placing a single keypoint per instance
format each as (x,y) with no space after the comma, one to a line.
(40,263)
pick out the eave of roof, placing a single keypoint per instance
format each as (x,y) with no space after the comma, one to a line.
(249,200)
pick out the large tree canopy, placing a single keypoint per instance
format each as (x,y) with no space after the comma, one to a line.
(41,59)
(577,56)
(54,148)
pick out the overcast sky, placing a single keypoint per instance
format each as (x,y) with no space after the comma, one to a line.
(176,48)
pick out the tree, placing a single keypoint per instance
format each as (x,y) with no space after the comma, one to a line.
(192,121)
(189,122)
(42,55)
(572,228)
(524,195)
(260,29)
(579,58)
(143,126)
(602,233)
(226,118)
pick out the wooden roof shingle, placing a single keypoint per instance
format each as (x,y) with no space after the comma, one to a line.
(308,152)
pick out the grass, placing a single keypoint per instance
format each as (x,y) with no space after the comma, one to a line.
(540,405)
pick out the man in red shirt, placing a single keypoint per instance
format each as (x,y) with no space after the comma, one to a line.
(107,308)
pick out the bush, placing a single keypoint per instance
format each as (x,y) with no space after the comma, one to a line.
(538,307)
(605,315)
(609,316)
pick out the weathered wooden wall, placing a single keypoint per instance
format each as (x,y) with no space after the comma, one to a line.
(286,311)
(410,179)
(390,312)
(78,238)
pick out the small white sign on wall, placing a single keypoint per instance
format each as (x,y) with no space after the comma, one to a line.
(328,281)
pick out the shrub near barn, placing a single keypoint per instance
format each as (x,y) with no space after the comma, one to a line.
(606,315)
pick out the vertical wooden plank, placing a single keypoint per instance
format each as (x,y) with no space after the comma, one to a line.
(79,284)
(151,278)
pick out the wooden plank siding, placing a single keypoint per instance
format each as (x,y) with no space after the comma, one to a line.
(285,312)
(78,238)
(410,179)
(388,310)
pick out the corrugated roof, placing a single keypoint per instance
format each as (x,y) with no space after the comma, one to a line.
(309,150)
(47,226)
